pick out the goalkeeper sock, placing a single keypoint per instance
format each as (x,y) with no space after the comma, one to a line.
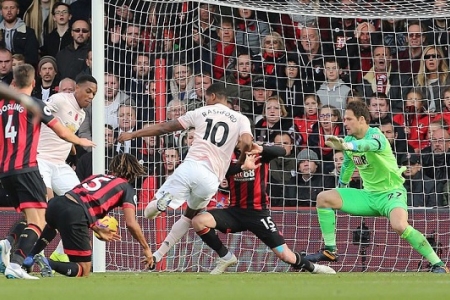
(70,269)
(327,221)
(419,242)
(26,241)
(209,236)
(16,231)
(179,229)
(46,237)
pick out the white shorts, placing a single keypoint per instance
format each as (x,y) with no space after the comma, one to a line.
(61,178)
(193,182)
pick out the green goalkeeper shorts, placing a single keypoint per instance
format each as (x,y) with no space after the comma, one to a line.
(364,203)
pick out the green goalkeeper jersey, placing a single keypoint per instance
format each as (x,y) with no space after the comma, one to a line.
(375,161)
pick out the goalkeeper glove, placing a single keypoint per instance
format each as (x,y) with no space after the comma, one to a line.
(338,143)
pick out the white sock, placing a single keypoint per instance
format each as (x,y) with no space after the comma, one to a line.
(156,256)
(7,244)
(151,211)
(228,256)
(179,229)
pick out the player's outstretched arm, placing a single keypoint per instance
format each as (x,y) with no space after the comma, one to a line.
(7,92)
(67,135)
(153,130)
(136,231)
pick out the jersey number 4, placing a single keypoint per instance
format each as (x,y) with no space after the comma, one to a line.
(211,131)
(10,130)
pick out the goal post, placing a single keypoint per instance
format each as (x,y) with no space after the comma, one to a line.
(159,52)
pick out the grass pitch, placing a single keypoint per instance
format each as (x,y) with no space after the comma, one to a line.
(248,286)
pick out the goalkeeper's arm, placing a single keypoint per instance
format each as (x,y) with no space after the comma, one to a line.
(347,169)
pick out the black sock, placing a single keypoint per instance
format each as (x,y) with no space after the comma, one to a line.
(209,236)
(70,269)
(302,263)
(46,237)
(16,231)
(26,242)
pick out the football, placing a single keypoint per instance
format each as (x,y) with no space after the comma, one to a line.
(107,222)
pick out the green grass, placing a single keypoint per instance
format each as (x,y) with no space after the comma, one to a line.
(198,286)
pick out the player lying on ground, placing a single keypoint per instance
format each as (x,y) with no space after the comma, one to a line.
(18,166)
(79,209)
(367,149)
(249,210)
(196,180)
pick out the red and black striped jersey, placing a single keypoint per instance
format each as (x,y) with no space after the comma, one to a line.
(248,188)
(19,136)
(99,194)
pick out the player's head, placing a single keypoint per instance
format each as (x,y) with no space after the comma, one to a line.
(356,119)
(24,76)
(85,89)
(216,93)
(126,166)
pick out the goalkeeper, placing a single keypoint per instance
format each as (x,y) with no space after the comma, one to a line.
(368,150)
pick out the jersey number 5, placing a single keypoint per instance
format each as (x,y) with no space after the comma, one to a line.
(211,132)
(95,184)
(10,130)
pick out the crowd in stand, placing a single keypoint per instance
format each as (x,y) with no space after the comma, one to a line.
(292,75)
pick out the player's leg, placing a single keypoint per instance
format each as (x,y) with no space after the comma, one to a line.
(71,223)
(32,201)
(225,221)
(63,180)
(351,201)
(396,210)
(178,230)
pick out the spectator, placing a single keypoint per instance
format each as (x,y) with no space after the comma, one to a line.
(311,52)
(182,85)
(37,16)
(238,83)
(379,109)
(17,60)
(250,30)
(66,85)
(304,188)
(433,77)
(59,37)
(333,91)
(282,169)
(261,90)
(420,188)
(409,59)
(331,180)
(202,82)
(114,97)
(46,85)
(360,56)
(127,123)
(414,120)
(445,114)
(304,124)
(381,78)
(274,120)
(171,160)
(272,59)
(6,66)
(330,123)
(223,56)
(394,34)
(79,11)
(175,109)
(399,146)
(149,153)
(71,59)
(17,37)
(291,87)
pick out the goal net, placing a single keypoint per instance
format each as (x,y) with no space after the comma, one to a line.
(290,66)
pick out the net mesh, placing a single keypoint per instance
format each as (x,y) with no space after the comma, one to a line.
(162,55)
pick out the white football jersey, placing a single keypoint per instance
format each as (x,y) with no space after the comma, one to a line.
(65,108)
(217,131)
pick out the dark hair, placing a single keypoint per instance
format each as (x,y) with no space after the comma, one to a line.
(59,3)
(23,75)
(83,78)
(218,89)
(126,166)
(359,109)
